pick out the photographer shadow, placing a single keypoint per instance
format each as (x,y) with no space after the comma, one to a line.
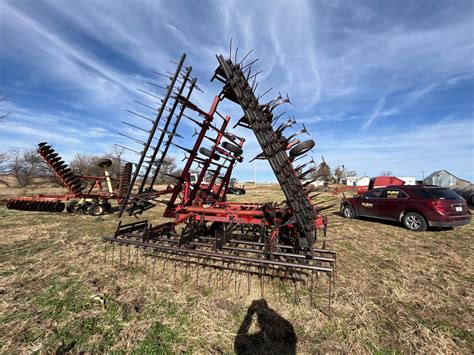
(276,335)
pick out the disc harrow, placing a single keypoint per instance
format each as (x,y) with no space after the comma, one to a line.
(85,193)
(263,240)
(60,168)
(31,205)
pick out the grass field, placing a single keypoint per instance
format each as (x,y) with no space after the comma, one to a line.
(397,291)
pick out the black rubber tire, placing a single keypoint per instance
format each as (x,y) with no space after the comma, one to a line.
(348,212)
(107,206)
(72,207)
(104,163)
(208,153)
(232,148)
(415,222)
(96,209)
(238,192)
(84,208)
(302,148)
(60,207)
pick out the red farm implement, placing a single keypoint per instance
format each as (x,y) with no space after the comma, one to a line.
(375,182)
(264,239)
(86,194)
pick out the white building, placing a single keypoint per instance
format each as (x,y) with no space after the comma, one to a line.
(362,181)
(349,181)
(409,180)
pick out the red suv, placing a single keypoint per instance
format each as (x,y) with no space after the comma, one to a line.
(416,206)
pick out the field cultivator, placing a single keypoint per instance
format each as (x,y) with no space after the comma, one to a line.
(85,194)
(264,240)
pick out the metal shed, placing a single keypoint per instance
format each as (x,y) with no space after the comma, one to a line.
(445,178)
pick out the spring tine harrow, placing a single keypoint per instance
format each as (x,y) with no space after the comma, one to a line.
(267,243)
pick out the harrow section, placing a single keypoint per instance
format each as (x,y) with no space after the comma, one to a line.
(274,144)
(266,240)
(60,168)
(45,205)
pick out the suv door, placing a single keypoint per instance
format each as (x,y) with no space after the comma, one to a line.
(370,203)
(393,202)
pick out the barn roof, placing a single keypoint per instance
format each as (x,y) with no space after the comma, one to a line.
(434,173)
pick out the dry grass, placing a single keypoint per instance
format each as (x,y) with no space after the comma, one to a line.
(396,291)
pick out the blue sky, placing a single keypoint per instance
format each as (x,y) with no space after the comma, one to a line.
(381,85)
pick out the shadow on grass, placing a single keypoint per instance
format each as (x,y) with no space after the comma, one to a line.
(276,335)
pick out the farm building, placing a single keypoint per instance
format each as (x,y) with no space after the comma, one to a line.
(363,181)
(350,180)
(409,180)
(444,178)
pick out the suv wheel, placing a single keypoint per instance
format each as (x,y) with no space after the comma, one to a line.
(415,222)
(348,211)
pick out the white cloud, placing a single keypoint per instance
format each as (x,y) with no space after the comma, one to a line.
(345,68)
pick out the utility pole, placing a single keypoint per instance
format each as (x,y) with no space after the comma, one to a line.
(255,172)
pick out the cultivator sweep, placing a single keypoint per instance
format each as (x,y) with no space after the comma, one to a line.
(85,193)
(267,240)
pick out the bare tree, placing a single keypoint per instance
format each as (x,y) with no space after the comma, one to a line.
(339,174)
(87,164)
(4,157)
(323,173)
(116,155)
(351,173)
(386,173)
(3,161)
(84,164)
(26,165)
(167,171)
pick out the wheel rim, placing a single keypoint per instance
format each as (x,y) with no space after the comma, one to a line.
(347,212)
(413,222)
(97,210)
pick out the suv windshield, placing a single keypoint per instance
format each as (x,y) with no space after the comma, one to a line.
(445,194)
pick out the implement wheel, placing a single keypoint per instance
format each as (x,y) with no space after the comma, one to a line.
(302,148)
(233,148)
(96,209)
(209,154)
(104,163)
(72,207)
(107,207)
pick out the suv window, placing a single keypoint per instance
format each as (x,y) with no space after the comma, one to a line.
(394,194)
(422,193)
(376,193)
(445,194)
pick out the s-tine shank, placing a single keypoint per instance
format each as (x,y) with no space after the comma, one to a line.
(276,155)
(162,136)
(151,135)
(170,208)
(208,161)
(170,138)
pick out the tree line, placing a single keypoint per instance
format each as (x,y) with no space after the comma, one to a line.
(328,176)
(25,166)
